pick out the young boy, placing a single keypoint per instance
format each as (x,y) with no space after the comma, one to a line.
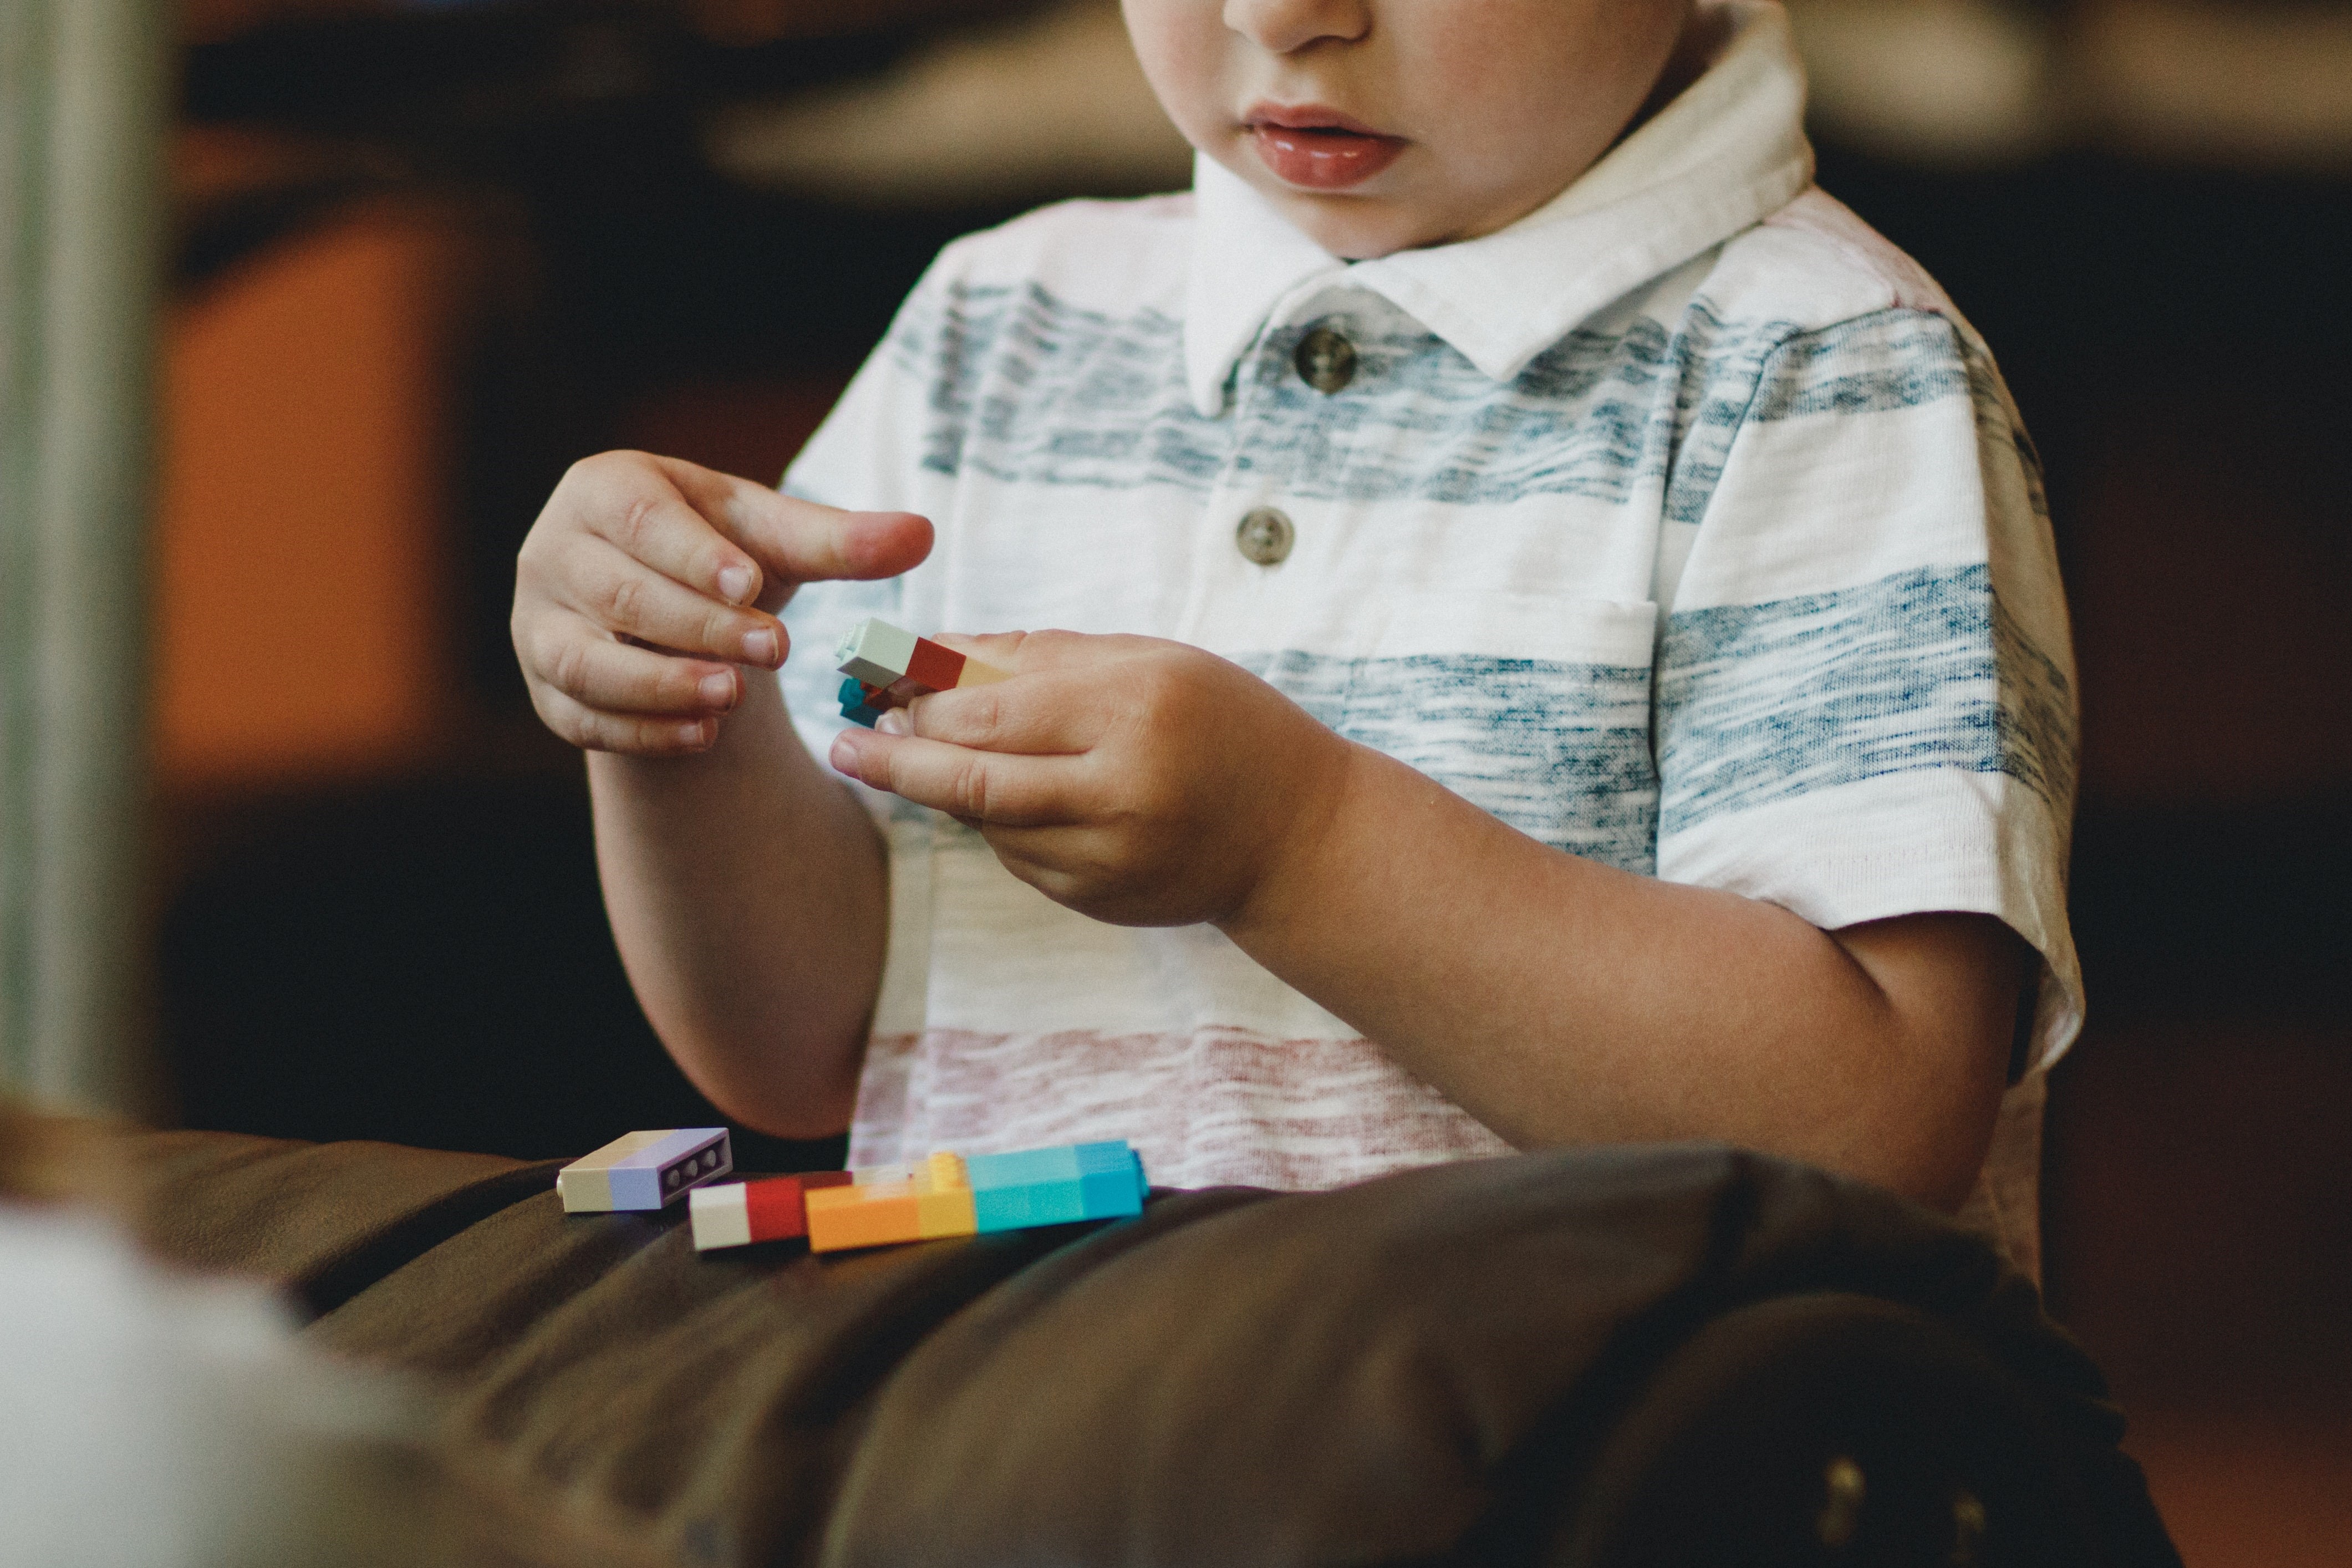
(1564,645)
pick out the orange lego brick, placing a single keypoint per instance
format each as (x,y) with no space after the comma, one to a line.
(919,1202)
(841,1217)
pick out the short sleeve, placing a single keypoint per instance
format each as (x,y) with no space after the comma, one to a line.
(1865,699)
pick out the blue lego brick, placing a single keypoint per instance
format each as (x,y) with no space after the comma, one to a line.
(1055,1187)
(1108,1194)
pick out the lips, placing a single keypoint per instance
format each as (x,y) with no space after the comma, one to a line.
(1318,148)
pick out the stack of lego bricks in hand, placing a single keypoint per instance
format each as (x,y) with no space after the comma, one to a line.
(947,1194)
(886,666)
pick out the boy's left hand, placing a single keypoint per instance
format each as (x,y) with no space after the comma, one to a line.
(1136,781)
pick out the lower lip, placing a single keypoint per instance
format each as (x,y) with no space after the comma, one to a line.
(1323,160)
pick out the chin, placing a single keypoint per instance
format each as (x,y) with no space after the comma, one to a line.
(1354,228)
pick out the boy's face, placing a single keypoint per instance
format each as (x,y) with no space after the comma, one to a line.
(1380,125)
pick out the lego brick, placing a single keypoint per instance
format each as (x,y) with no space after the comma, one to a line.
(858,703)
(878,656)
(949,1195)
(861,1216)
(874,652)
(643,1171)
(741,1213)
(934,665)
(1105,1194)
(1055,1187)
(780,1212)
(889,1204)
(721,1216)
(975,673)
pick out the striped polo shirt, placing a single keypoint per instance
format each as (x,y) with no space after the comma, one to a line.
(1684,525)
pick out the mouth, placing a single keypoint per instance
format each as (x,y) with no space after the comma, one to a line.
(1316,148)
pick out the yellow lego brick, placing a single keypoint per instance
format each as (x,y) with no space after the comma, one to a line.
(894,1203)
(947,1214)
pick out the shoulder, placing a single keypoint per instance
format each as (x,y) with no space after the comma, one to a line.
(1814,265)
(1097,255)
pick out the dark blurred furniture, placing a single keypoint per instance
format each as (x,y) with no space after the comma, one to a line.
(423,961)
(1680,1356)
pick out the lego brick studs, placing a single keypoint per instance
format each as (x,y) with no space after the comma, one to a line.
(642,1170)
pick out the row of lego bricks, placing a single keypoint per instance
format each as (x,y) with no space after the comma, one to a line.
(876,656)
(947,1194)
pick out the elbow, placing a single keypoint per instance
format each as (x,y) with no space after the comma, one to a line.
(1931,1156)
(801,1091)
(804,1113)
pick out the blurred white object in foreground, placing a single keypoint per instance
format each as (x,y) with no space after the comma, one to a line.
(148,1420)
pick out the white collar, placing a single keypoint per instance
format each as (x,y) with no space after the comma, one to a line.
(1728,153)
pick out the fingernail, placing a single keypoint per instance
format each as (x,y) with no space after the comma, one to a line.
(760,647)
(895,723)
(735,582)
(718,691)
(690,734)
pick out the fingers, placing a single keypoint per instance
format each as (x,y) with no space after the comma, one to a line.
(1038,716)
(600,672)
(666,515)
(632,734)
(985,787)
(794,540)
(616,593)
(727,537)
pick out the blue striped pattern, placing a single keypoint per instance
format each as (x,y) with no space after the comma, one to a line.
(1920,671)
(1560,751)
(1027,388)
(1753,703)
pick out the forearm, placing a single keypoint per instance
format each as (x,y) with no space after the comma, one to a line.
(1562,1001)
(747,890)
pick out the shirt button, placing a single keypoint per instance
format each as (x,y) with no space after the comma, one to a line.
(1266,536)
(1326,360)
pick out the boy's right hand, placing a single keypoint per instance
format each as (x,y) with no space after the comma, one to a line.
(648,581)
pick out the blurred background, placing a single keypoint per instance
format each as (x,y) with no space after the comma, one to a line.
(416,258)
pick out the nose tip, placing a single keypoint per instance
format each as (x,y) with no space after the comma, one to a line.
(1285,26)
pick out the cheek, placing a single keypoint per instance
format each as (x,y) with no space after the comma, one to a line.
(1183,46)
(1544,112)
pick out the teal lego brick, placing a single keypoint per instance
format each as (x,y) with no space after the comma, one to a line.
(1028,1204)
(1056,1186)
(1111,1194)
(856,707)
(1025,1166)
